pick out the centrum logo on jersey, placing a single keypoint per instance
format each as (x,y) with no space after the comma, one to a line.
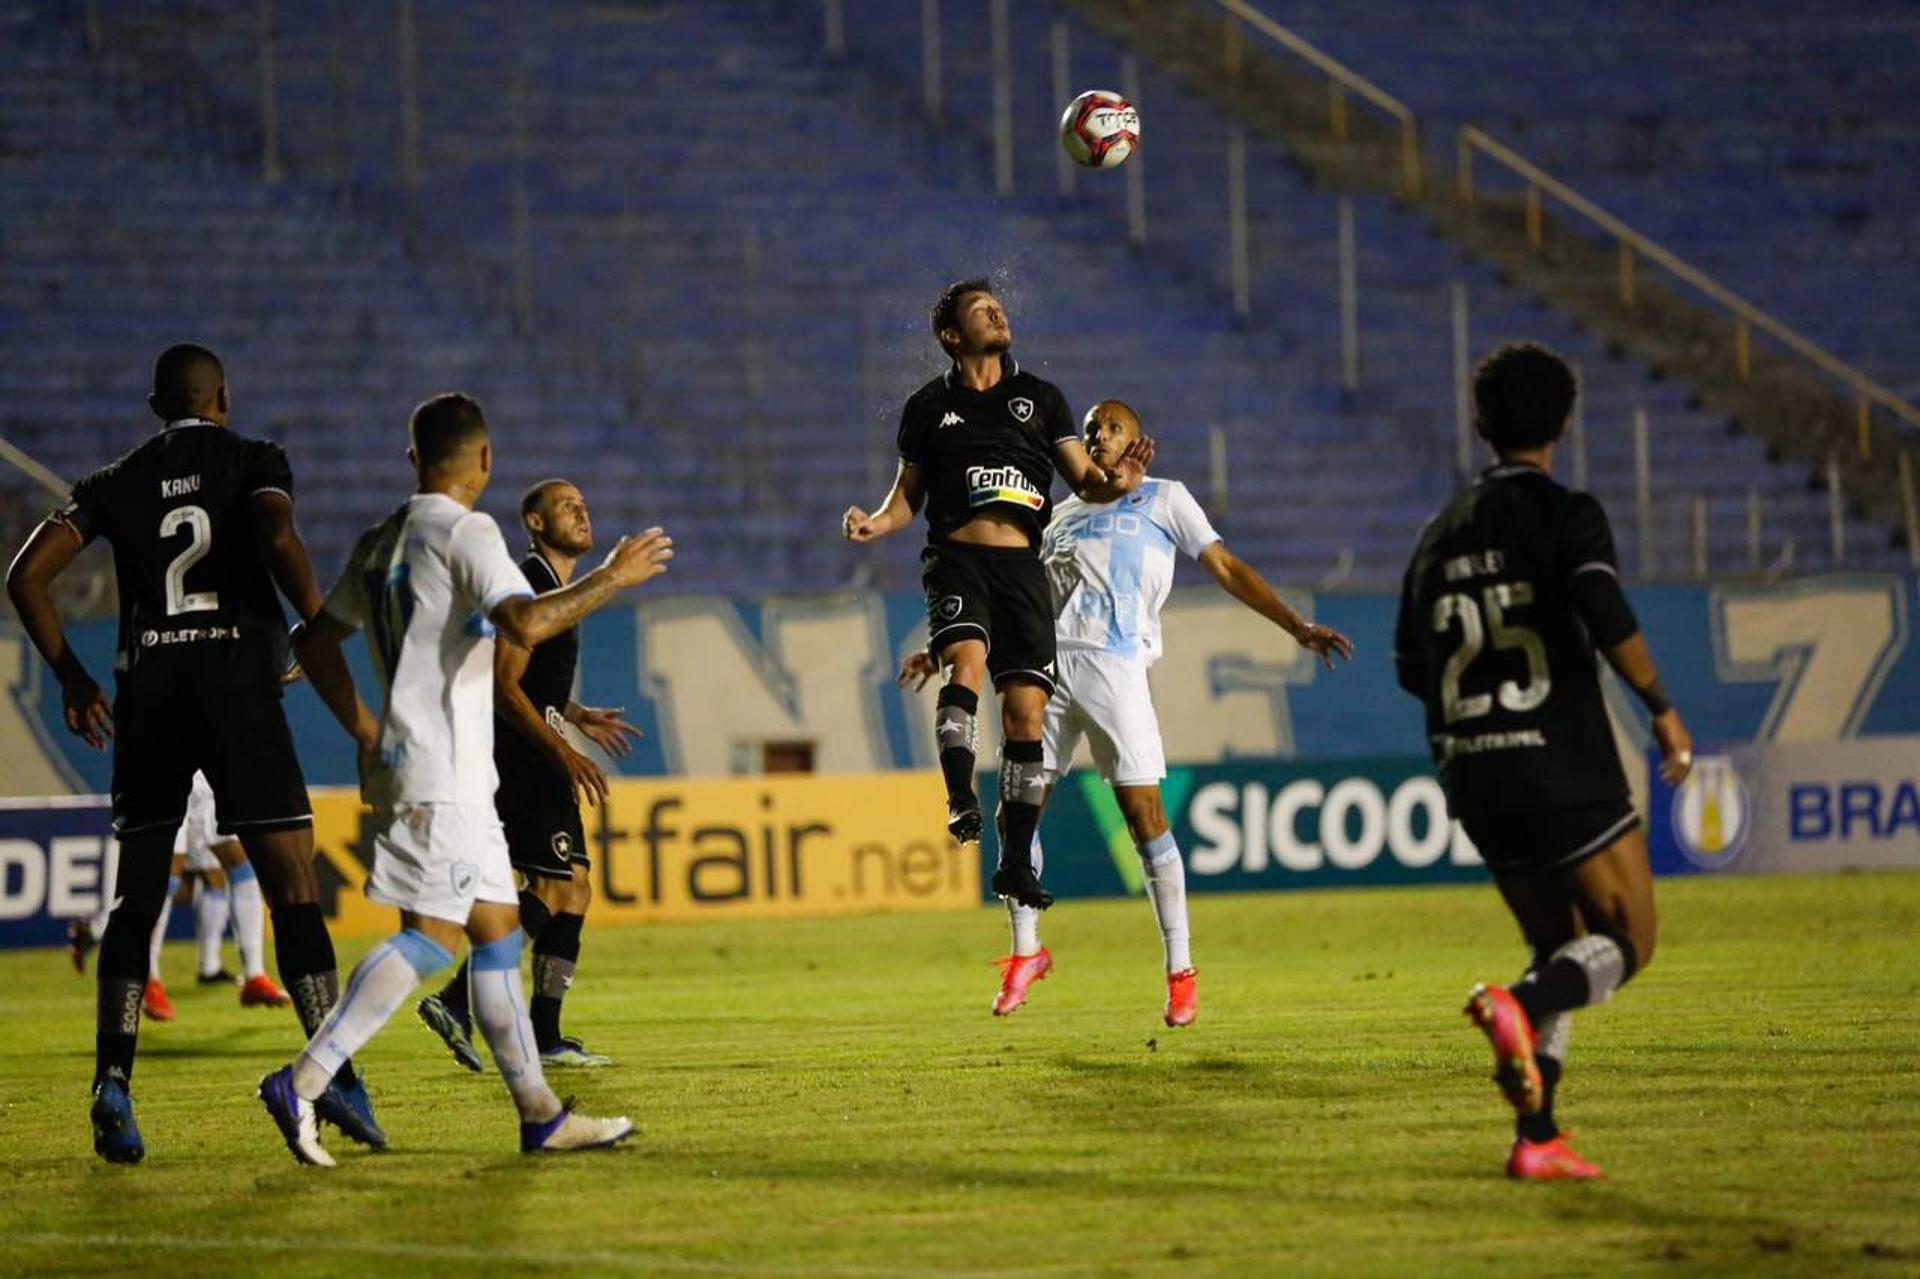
(1712,813)
(1001,484)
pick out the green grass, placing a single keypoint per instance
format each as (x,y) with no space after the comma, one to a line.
(831,1097)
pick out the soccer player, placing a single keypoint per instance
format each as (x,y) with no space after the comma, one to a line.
(228,890)
(1110,567)
(200,519)
(1512,596)
(541,779)
(431,583)
(978,448)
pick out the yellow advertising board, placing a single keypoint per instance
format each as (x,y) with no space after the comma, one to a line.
(724,848)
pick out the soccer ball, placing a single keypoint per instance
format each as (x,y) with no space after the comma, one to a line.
(1100,129)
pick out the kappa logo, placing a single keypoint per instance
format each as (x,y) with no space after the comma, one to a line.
(1021,407)
(952,419)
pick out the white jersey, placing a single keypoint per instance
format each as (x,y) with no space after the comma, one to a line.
(1110,565)
(423,582)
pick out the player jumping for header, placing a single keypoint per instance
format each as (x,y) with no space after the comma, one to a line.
(1512,590)
(978,448)
(426,582)
(1110,566)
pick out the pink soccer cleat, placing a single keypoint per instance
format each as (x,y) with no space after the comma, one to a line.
(1183,1005)
(1499,1015)
(154,1002)
(262,991)
(1017,973)
(1549,1161)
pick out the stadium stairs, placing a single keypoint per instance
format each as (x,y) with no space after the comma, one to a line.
(731,240)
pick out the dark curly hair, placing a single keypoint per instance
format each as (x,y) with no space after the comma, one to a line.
(1522,396)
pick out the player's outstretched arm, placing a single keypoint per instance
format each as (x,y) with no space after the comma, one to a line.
(1091,484)
(1242,581)
(528,620)
(902,503)
(285,552)
(513,705)
(48,550)
(1633,662)
(604,726)
(317,645)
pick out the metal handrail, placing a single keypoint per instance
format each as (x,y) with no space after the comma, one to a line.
(1634,245)
(1343,78)
(33,469)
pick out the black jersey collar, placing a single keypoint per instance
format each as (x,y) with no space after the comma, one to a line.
(180,422)
(1009,368)
(1508,470)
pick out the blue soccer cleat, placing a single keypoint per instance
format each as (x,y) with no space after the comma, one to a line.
(116,1137)
(568,1131)
(348,1108)
(294,1114)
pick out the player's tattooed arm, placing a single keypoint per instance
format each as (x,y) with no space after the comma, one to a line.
(528,620)
(1633,662)
(48,551)
(285,552)
(902,503)
(523,717)
(1242,581)
(1092,484)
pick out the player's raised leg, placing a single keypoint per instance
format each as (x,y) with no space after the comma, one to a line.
(956,729)
(1028,961)
(1023,788)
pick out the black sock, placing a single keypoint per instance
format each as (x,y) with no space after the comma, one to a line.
(454,996)
(1022,783)
(1540,1126)
(1584,971)
(304,951)
(125,952)
(534,915)
(957,735)
(554,957)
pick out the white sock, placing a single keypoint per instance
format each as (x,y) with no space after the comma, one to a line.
(160,929)
(249,919)
(500,1009)
(210,910)
(380,983)
(1026,919)
(1166,881)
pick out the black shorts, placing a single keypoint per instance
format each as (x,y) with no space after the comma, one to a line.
(545,839)
(238,737)
(994,593)
(1543,841)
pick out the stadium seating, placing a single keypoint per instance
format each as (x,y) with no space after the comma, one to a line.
(733,239)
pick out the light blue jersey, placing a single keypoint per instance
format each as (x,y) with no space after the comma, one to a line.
(1111,565)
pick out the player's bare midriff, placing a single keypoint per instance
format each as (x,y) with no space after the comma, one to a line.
(990,528)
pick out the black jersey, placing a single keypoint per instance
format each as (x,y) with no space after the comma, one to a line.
(197,605)
(981,449)
(548,684)
(1489,638)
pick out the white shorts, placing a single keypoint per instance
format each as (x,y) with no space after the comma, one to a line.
(1104,698)
(439,859)
(199,832)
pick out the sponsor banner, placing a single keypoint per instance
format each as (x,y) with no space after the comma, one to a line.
(1259,824)
(722,848)
(712,680)
(57,861)
(1792,807)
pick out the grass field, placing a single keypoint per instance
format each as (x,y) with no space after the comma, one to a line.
(831,1097)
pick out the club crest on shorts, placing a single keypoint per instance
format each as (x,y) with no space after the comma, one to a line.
(463,876)
(1021,407)
(563,845)
(948,608)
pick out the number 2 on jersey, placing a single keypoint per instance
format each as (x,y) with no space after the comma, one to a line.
(179,599)
(1457,705)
